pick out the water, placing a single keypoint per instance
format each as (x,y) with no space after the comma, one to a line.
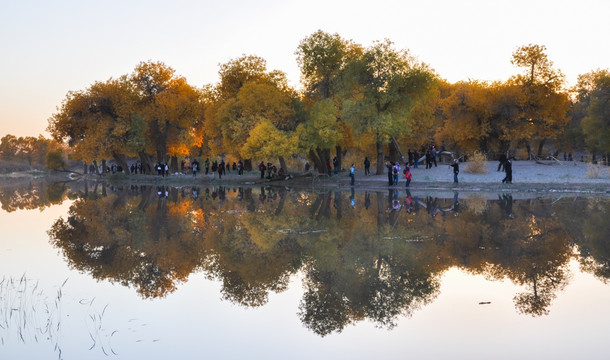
(94,272)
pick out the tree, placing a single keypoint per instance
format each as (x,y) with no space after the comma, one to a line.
(593,96)
(55,160)
(322,58)
(389,83)
(170,107)
(467,116)
(100,122)
(249,97)
(546,105)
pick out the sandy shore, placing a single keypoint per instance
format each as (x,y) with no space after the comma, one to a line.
(528,176)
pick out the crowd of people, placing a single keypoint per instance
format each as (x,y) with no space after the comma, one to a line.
(270,171)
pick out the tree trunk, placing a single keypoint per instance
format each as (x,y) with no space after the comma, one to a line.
(324,156)
(120,158)
(104,170)
(317,163)
(248,165)
(379,159)
(529,151)
(393,152)
(339,157)
(85,168)
(97,170)
(146,161)
(283,165)
(541,147)
(174,164)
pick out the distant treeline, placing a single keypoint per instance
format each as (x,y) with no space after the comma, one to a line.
(377,101)
(24,153)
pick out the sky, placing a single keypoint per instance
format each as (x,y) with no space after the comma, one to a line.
(48,48)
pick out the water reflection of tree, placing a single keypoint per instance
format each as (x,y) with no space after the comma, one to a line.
(375,262)
(357,270)
(35,195)
(594,245)
(115,238)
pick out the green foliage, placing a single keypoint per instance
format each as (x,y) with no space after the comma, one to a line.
(595,94)
(390,83)
(55,160)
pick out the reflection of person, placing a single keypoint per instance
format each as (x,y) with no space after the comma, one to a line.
(456,170)
(456,204)
(408,202)
(352,198)
(508,168)
(506,203)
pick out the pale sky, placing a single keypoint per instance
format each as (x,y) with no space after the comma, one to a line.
(48,48)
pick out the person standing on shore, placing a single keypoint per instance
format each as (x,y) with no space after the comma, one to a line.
(336,165)
(408,176)
(508,168)
(395,171)
(367,166)
(456,170)
(502,162)
(352,174)
(390,177)
(195,167)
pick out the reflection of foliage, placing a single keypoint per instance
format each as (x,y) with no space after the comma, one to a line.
(595,247)
(377,263)
(250,255)
(112,238)
(33,196)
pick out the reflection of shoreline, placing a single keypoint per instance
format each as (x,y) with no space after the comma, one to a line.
(425,182)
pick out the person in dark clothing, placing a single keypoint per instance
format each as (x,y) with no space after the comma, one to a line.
(262,168)
(352,174)
(390,176)
(502,161)
(456,170)
(508,168)
(336,165)
(214,167)
(207,166)
(367,166)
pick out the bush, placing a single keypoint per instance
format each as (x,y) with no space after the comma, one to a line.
(597,172)
(55,160)
(477,164)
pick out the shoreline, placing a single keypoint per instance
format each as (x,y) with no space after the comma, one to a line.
(528,177)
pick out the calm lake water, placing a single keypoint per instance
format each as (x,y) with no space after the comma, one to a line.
(143,272)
